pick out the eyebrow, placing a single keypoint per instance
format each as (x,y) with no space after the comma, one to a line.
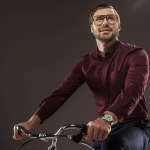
(104,15)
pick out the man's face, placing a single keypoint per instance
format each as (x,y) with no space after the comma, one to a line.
(105,26)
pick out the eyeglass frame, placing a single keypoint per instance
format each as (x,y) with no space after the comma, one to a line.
(106,16)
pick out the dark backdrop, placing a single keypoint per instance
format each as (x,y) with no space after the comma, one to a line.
(40,41)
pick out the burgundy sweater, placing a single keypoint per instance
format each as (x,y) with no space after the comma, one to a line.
(117,81)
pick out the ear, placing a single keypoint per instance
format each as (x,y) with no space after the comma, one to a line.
(91,28)
(119,26)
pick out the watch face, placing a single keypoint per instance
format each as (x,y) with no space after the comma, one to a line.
(108,117)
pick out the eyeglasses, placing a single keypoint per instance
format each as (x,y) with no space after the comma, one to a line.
(111,19)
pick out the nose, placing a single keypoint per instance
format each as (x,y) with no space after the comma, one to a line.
(105,22)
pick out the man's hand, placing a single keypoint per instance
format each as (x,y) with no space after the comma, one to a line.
(98,129)
(19,136)
(28,125)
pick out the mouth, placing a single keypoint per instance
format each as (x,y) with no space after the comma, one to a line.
(105,30)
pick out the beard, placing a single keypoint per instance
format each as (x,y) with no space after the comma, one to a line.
(107,38)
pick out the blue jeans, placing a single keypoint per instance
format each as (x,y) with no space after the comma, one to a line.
(132,135)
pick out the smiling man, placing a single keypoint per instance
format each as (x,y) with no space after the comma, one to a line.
(117,74)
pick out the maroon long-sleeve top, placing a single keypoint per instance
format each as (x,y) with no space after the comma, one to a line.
(117,81)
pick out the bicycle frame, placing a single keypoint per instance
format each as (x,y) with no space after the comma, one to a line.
(54,137)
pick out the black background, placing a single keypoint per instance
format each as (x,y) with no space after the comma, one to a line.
(40,41)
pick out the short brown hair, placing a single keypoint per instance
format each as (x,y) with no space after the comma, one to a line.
(101,6)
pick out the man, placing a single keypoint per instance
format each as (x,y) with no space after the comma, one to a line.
(117,74)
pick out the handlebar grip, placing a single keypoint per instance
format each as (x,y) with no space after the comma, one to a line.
(22,130)
(26,132)
(77,138)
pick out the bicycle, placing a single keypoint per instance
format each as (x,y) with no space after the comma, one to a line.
(78,138)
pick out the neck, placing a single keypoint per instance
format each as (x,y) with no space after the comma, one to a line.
(104,46)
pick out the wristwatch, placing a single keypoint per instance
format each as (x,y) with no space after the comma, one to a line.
(108,118)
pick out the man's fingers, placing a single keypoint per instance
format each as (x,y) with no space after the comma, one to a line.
(17,134)
(96,133)
(90,131)
(98,129)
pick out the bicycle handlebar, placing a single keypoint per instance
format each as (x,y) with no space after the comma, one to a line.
(49,136)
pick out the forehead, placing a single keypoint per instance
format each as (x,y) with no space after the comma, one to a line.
(104,11)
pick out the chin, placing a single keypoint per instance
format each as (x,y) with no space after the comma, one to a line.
(106,38)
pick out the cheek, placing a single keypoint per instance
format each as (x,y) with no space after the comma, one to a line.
(116,28)
(94,29)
